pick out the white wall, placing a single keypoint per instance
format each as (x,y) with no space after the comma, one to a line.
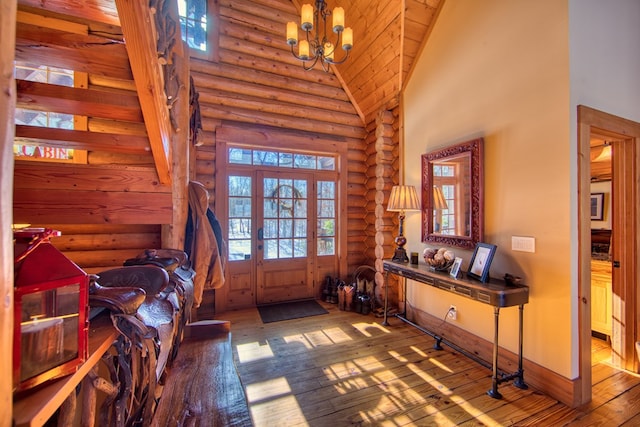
(513,72)
(499,69)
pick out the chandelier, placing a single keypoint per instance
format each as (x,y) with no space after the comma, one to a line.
(319,47)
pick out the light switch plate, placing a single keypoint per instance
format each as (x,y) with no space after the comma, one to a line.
(523,244)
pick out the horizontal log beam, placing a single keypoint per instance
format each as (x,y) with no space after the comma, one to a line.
(78,229)
(263,93)
(56,176)
(210,71)
(71,100)
(81,140)
(280,121)
(91,207)
(317,113)
(103,11)
(97,242)
(89,54)
(266,136)
(109,258)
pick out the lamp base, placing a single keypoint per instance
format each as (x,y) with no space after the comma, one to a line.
(400,255)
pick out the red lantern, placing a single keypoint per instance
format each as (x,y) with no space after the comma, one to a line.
(50,332)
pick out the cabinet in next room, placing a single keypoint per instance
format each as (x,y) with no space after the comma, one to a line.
(601,297)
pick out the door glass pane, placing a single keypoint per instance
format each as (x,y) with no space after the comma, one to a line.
(326,224)
(239,232)
(285,218)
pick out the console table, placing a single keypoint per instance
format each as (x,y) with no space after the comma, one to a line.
(495,293)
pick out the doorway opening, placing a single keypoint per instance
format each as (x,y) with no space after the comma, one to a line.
(624,136)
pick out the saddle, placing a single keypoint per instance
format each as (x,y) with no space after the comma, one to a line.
(158,311)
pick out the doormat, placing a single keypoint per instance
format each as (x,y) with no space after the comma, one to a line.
(290,310)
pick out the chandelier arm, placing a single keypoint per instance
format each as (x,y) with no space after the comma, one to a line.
(309,68)
(342,60)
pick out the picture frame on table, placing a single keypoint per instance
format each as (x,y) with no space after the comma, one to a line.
(597,206)
(481,261)
(455,267)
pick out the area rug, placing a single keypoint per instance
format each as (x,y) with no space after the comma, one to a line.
(290,310)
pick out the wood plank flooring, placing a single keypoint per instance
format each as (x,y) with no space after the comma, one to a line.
(345,369)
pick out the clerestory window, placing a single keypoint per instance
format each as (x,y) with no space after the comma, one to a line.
(199,25)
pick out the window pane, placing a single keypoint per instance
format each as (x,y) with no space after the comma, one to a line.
(300,229)
(300,188)
(239,156)
(304,161)
(239,250)
(286,248)
(193,23)
(326,246)
(286,228)
(270,208)
(271,249)
(240,186)
(326,190)
(266,158)
(299,248)
(239,207)
(326,163)
(326,209)
(326,227)
(286,160)
(270,230)
(239,228)
(300,209)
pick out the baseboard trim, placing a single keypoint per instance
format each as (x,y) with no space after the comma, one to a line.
(535,375)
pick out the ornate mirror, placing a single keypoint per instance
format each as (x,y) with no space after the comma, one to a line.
(452,195)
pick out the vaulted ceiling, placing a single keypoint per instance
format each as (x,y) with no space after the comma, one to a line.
(388,37)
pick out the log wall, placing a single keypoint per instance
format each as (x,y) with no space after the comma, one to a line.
(258,93)
(109,208)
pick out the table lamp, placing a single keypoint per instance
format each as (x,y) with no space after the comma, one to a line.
(403,198)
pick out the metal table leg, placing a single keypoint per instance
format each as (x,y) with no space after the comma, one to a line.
(494,377)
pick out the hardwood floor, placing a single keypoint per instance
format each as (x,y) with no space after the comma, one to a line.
(345,369)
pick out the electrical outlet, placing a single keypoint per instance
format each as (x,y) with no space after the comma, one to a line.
(452,313)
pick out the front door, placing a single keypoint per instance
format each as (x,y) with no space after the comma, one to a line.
(284,250)
(282,230)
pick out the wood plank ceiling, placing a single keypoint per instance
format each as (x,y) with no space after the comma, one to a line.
(388,36)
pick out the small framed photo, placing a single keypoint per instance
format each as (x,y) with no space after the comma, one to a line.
(455,267)
(597,206)
(481,261)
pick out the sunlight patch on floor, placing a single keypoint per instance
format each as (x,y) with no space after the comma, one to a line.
(417,350)
(265,390)
(337,335)
(440,365)
(397,356)
(253,351)
(286,407)
(341,370)
(429,379)
(318,338)
(366,329)
(298,338)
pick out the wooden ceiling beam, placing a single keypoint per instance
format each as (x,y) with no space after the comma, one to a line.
(138,27)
